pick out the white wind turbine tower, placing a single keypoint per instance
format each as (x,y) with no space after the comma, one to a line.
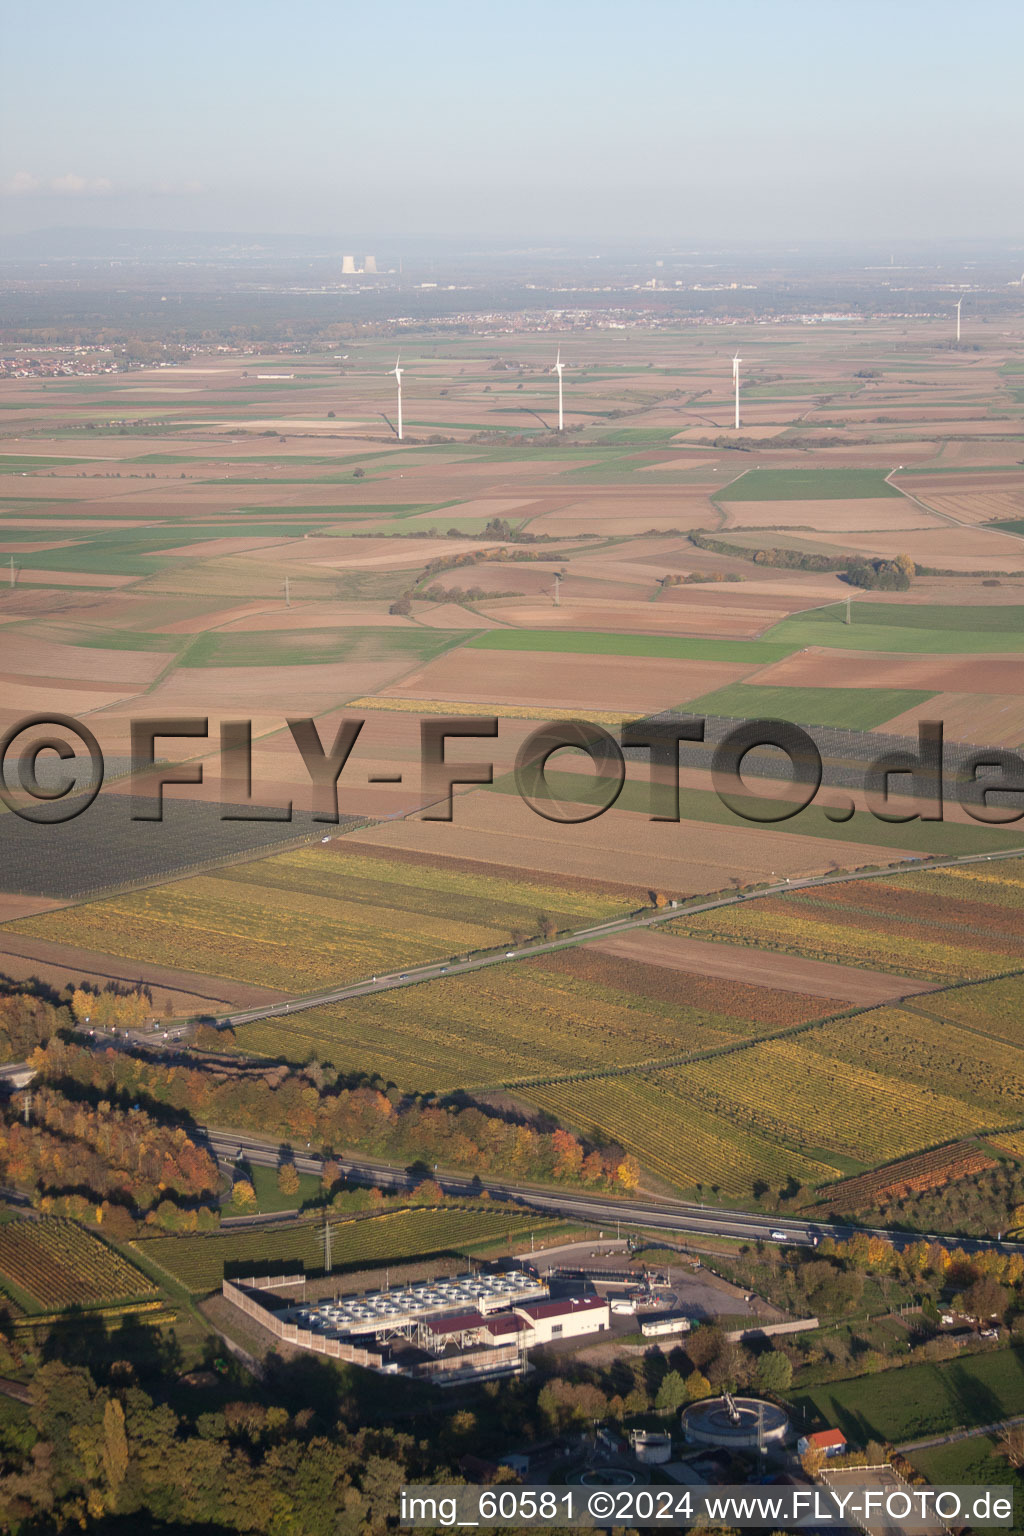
(559,368)
(958,303)
(398,371)
(736,384)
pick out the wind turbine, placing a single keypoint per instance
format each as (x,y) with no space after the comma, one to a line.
(398,371)
(958,303)
(559,368)
(736,383)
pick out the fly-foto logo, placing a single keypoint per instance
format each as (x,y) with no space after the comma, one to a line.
(52,768)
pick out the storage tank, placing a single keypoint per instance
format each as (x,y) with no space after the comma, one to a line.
(735,1423)
(651,1447)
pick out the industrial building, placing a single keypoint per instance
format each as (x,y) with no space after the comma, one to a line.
(349,268)
(472,1325)
(570,1318)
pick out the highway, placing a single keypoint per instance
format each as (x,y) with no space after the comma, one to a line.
(646,919)
(669,1216)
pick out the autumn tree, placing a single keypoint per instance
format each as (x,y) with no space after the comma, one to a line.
(288,1179)
(115,1449)
(986,1298)
(730,1369)
(243,1193)
(812,1461)
(568,1155)
(564,1403)
(628,1173)
(697,1387)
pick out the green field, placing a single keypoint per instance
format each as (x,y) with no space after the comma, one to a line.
(919,1400)
(270,1199)
(808,485)
(597,643)
(424,525)
(124,640)
(913,628)
(972,1463)
(850,709)
(347,510)
(1001,619)
(309,647)
(704,805)
(797,388)
(25,463)
(199,1262)
(142,551)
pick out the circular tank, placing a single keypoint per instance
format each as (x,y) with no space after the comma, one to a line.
(735,1423)
(651,1447)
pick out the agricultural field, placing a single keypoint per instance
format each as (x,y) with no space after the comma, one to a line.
(105,847)
(906,927)
(200,1263)
(911,628)
(54,1263)
(846,484)
(703,807)
(305,919)
(193,541)
(910,1175)
(595,644)
(547,1017)
(849,709)
(684,1145)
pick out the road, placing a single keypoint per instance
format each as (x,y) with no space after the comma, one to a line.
(669,1216)
(581,936)
(960,1434)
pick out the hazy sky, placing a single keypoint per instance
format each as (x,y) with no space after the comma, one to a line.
(568,119)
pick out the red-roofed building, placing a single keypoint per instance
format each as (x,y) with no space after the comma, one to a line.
(566,1319)
(831,1441)
(504,1327)
(456,1322)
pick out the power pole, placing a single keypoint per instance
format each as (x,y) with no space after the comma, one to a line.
(328,1256)
(28,1105)
(12,570)
(849,619)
